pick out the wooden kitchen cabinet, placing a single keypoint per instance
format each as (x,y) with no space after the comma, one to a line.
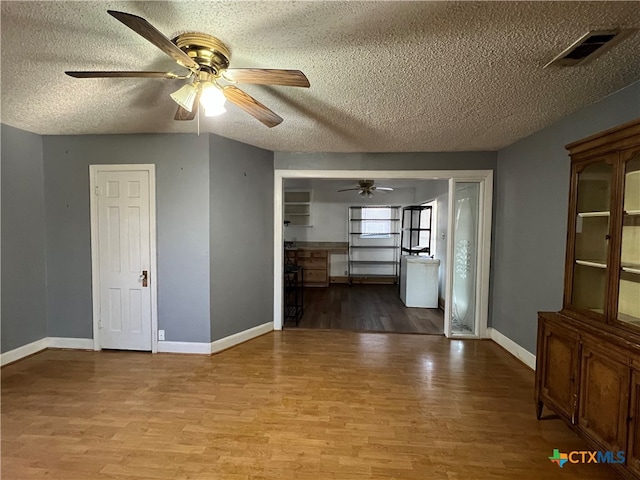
(316,267)
(588,354)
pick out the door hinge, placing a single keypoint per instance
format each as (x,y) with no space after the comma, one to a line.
(97,190)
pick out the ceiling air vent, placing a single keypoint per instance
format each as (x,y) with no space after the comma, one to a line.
(589,46)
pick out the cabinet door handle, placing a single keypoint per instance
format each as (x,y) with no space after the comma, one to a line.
(145,278)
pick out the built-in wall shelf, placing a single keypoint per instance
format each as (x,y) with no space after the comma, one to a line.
(592,263)
(297,208)
(593,214)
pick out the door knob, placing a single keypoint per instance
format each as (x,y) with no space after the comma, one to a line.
(145,278)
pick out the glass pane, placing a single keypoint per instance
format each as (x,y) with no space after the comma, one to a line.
(629,292)
(465,255)
(594,188)
(592,230)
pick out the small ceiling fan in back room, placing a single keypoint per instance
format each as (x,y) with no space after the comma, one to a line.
(366,188)
(210,79)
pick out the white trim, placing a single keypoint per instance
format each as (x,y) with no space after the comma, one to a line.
(184,347)
(278,242)
(240,337)
(217,345)
(485,200)
(163,347)
(75,343)
(485,252)
(24,351)
(526,357)
(448,274)
(44,343)
(95,259)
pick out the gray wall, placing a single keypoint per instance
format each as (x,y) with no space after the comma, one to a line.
(241,235)
(182,200)
(386,161)
(24,308)
(532,191)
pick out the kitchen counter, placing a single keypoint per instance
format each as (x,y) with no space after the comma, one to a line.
(329,247)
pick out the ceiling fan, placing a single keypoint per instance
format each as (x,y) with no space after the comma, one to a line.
(366,188)
(207,59)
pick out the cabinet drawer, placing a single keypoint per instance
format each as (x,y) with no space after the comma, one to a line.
(315,276)
(312,254)
(313,262)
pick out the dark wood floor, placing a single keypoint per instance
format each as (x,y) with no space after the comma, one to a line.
(366,308)
(292,405)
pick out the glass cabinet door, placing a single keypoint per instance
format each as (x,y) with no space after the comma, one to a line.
(592,236)
(629,286)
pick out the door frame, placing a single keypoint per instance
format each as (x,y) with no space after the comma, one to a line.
(483,242)
(95,255)
(485,177)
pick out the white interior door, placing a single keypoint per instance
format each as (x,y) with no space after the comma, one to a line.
(122,246)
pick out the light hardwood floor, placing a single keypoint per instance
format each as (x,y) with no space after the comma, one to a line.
(366,308)
(298,404)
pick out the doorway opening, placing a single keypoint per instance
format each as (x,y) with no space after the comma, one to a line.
(320,226)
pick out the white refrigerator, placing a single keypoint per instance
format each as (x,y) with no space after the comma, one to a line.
(419,281)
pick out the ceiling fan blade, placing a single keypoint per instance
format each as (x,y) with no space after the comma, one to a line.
(184,114)
(148,31)
(250,105)
(266,76)
(383,189)
(348,189)
(168,75)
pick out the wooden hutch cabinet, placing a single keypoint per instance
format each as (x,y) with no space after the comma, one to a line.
(588,354)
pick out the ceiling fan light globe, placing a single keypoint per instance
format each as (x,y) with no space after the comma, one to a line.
(212,99)
(185,96)
(215,111)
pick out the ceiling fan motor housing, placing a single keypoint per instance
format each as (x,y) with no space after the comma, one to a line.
(206,50)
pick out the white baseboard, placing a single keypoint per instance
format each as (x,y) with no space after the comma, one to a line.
(217,345)
(24,351)
(76,343)
(241,337)
(43,343)
(163,347)
(526,357)
(184,347)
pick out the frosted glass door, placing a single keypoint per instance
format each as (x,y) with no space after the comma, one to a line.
(465,258)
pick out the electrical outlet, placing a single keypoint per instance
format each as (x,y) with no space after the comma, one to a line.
(161,335)
(346,273)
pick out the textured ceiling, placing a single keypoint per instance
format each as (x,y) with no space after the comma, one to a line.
(385,76)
